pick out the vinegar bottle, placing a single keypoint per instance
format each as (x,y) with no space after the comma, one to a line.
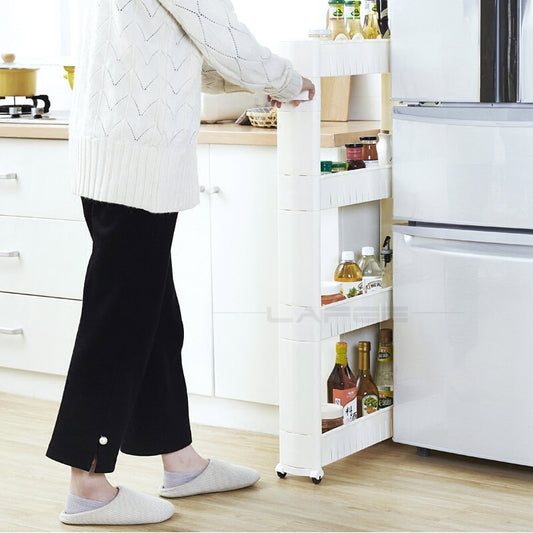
(341,384)
(372,273)
(367,392)
(384,381)
(349,275)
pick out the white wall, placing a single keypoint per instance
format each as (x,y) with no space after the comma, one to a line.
(45,32)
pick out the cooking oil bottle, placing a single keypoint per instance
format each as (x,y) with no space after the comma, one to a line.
(349,275)
(370,269)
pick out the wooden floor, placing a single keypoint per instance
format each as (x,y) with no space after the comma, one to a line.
(384,488)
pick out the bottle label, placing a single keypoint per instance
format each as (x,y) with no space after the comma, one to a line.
(351,289)
(336,12)
(383,354)
(372,283)
(348,399)
(369,404)
(385,398)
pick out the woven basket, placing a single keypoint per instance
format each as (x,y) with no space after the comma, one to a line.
(263,117)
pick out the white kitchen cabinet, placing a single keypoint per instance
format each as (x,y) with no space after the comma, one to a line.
(229,245)
(307,201)
(44,248)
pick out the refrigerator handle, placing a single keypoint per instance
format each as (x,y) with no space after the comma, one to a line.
(470,248)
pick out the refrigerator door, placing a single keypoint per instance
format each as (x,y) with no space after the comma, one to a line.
(462,318)
(525,74)
(435,50)
(463,165)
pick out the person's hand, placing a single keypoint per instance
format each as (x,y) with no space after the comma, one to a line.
(307,85)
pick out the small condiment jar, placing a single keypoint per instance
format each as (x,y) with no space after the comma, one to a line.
(332,416)
(325,167)
(331,292)
(354,156)
(323,35)
(370,152)
(338,166)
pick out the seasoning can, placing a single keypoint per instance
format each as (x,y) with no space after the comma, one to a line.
(370,152)
(354,156)
(332,416)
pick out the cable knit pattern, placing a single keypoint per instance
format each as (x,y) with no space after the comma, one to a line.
(136,109)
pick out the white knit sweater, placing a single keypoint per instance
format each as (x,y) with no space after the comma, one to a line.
(136,109)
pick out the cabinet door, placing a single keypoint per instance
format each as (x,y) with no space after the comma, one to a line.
(191,256)
(245,290)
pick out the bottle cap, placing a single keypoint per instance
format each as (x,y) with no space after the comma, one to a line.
(364,346)
(330,411)
(385,336)
(368,138)
(341,348)
(367,250)
(330,287)
(330,2)
(348,255)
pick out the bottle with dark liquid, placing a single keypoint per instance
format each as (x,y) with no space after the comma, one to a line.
(341,384)
(384,381)
(367,392)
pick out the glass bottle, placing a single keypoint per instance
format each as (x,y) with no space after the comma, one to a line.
(386,262)
(353,19)
(372,273)
(384,381)
(370,151)
(342,388)
(370,20)
(349,275)
(367,392)
(383,18)
(336,20)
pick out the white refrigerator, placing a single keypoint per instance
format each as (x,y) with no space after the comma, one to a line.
(463,258)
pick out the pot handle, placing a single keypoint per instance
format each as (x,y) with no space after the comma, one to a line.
(45,100)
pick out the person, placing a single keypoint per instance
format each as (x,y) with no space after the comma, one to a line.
(134,125)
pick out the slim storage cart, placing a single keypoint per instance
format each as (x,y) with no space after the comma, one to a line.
(304,195)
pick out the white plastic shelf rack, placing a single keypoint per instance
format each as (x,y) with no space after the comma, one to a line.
(303,323)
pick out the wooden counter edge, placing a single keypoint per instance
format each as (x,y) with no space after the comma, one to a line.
(333,134)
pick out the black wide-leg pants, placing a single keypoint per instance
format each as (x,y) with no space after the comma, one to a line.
(125,388)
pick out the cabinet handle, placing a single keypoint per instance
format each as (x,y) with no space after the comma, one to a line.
(10,331)
(210,190)
(9,176)
(10,253)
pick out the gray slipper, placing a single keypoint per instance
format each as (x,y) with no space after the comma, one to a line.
(128,507)
(217,477)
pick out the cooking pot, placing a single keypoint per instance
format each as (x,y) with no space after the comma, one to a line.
(16,80)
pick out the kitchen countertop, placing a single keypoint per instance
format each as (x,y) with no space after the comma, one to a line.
(332,133)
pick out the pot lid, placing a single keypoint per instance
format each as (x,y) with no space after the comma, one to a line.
(9,63)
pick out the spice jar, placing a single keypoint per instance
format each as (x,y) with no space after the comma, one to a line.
(332,416)
(370,152)
(331,293)
(354,156)
(325,167)
(338,166)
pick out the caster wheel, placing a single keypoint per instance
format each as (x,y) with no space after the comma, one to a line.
(316,480)
(423,452)
(281,475)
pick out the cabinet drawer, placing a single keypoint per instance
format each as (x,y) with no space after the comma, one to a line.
(37,333)
(43,256)
(34,180)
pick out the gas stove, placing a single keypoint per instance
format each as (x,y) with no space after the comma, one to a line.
(16,109)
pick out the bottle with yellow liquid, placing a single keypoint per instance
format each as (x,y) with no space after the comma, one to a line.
(370,20)
(349,275)
(336,20)
(352,13)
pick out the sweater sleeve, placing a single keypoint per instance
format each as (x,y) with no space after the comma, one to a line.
(229,47)
(214,83)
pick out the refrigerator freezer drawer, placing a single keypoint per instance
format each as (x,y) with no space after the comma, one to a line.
(429,65)
(461,342)
(464,165)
